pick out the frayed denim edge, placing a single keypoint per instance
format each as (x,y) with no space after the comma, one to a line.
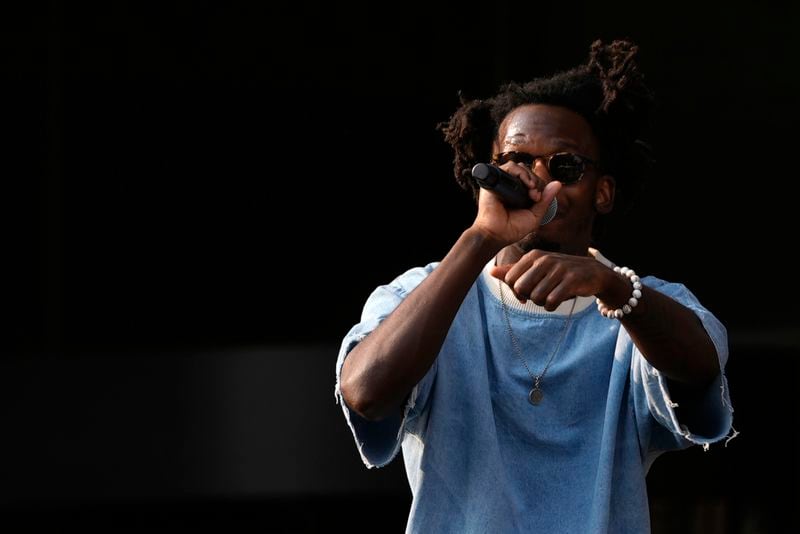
(337,393)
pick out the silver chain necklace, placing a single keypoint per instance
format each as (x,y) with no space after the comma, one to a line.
(535,396)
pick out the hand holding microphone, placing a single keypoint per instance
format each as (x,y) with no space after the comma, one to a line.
(510,189)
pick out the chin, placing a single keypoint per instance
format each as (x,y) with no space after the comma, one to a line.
(533,241)
(555,238)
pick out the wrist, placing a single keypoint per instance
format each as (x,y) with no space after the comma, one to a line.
(623,295)
(616,288)
(482,242)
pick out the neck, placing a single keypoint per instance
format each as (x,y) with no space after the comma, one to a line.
(512,253)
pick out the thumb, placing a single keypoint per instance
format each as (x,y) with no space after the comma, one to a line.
(548,194)
(499,271)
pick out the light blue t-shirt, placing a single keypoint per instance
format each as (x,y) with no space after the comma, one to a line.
(481,458)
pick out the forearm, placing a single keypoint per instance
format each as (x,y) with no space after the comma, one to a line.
(670,336)
(382,369)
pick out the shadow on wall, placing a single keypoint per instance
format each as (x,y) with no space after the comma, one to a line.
(246,439)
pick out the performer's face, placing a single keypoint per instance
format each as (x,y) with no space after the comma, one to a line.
(541,130)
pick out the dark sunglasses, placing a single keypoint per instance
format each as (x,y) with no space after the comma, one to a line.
(566,167)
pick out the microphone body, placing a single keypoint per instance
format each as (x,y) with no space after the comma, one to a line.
(509,188)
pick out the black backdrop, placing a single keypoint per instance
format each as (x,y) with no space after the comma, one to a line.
(191,182)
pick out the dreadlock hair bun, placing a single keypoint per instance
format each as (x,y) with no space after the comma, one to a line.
(626,100)
(615,66)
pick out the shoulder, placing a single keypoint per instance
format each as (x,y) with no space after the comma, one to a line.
(406,282)
(655,282)
(676,290)
(385,298)
(673,289)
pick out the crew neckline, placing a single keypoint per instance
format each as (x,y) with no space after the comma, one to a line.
(563,309)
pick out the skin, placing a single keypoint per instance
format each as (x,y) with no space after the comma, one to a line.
(546,264)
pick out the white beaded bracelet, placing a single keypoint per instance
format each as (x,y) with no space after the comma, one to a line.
(632,302)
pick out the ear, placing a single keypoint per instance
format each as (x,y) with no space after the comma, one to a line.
(604,192)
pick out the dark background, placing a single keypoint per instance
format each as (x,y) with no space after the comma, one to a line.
(199,197)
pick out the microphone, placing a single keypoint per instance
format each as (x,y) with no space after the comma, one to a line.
(510,188)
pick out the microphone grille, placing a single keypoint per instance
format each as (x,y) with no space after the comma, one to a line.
(550,213)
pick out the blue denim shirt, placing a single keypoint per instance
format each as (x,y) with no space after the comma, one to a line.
(480,458)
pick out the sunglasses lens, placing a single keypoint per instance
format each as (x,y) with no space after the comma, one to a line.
(566,168)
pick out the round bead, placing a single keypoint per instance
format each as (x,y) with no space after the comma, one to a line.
(633,301)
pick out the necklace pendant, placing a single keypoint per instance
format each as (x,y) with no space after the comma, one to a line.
(535,396)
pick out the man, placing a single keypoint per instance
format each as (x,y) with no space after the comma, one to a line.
(519,404)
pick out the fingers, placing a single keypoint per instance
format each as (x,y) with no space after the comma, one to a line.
(555,296)
(518,278)
(543,200)
(521,171)
(536,282)
(538,276)
(542,197)
(526,175)
(548,293)
(542,291)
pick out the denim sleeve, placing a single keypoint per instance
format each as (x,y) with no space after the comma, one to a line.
(651,390)
(378,442)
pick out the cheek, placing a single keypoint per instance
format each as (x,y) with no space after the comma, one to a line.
(579,200)
(581,207)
